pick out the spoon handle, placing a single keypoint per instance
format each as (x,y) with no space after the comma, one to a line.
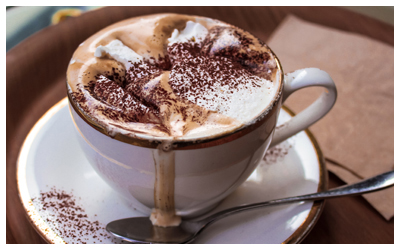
(376,183)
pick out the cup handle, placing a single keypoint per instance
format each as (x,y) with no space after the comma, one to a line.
(299,79)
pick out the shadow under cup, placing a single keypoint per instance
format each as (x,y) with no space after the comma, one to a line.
(205,171)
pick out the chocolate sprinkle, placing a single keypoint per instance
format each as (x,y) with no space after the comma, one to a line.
(234,43)
(192,78)
(67,218)
(277,153)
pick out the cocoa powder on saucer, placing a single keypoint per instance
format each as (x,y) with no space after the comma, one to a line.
(67,218)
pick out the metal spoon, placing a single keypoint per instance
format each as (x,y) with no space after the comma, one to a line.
(141,230)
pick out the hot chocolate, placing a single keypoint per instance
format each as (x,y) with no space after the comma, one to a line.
(172,77)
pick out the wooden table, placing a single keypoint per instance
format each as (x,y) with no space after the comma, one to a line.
(36,81)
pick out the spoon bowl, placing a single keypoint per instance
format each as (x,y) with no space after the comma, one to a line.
(141,230)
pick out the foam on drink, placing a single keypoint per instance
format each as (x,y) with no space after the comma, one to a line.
(225,75)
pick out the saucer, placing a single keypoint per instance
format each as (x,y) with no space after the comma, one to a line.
(67,202)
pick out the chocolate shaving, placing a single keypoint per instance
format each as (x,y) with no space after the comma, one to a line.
(66,217)
(234,43)
(111,93)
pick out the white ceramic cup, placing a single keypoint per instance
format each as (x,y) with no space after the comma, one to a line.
(208,170)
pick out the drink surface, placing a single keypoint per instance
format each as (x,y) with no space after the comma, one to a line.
(173,76)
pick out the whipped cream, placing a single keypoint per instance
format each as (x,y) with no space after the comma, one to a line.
(118,51)
(194,32)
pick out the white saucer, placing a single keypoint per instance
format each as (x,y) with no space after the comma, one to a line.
(51,159)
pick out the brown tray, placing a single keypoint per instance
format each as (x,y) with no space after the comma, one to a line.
(36,81)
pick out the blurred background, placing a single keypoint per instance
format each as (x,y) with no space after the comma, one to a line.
(21,22)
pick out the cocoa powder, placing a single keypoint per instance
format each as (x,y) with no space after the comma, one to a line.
(64,214)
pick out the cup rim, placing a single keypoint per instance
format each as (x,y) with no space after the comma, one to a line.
(147,141)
